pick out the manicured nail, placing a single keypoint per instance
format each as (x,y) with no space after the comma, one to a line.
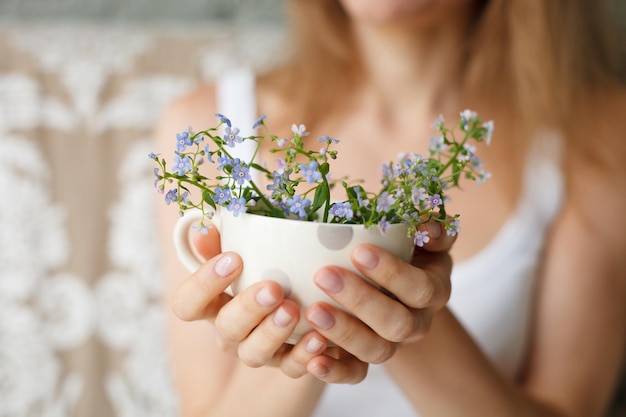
(226,265)
(365,257)
(313,345)
(321,318)
(434,229)
(265,297)
(329,281)
(282,318)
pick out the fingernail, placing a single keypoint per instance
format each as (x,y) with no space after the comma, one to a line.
(265,297)
(433,228)
(313,345)
(320,371)
(226,265)
(365,257)
(329,281)
(321,318)
(282,318)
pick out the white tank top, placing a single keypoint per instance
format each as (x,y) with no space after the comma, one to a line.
(492,291)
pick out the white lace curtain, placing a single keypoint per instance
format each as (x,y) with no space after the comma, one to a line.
(81,315)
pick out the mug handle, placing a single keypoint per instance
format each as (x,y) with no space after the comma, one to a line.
(185,252)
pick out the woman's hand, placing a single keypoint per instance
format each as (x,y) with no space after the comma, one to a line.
(377,322)
(258,321)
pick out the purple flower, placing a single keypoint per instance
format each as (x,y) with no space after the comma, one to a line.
(384,202)
(231,136)
(435,200)
(222,196)
(342,210)
(171,196)
(418,195)
(298,206)
(259,122)
(419,238)
(299,130)
(153,155)
(281,142)
(483,176)
(182,165)
(223,119)
(237,206)
(241,173)
(383,225)
(182,141)
(310,172)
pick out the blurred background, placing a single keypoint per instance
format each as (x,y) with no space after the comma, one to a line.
(82,83)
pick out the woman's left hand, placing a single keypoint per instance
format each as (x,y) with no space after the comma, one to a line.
(375,322)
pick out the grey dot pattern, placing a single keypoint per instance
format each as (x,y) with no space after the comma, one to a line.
(334,237)
(280,277)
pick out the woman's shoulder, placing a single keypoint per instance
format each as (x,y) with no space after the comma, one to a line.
(194,108)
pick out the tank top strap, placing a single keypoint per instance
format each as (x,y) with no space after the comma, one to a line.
(236,99)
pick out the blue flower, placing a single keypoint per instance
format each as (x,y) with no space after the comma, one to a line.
(208,154)
(231,136)
(342,210)
(327,139)
(241,173)
(223,161)
(153,155)
(467,116)
(437,145)
(259,122)
(182,165)
(157,176)
(223,119)
(222,196)
(171,196)
(182,141)
(453,228)
(237,206)
(310,172)
(384,202)
(488,126)
(419,238)
(298,206)
(438,123)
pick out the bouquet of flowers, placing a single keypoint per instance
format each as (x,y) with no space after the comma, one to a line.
(411,191)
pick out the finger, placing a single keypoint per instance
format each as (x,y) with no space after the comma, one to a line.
(390,319)
(349,333)
(294,362)
(263,342)
(200,295)
(415,287)
(247,310)
(337,367)
(439,240)
(208,245)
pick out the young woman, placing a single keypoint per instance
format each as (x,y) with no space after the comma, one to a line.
(536,321)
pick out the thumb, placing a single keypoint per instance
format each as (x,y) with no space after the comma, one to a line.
(439,241)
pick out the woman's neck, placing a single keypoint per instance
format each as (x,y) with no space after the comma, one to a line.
(409,70)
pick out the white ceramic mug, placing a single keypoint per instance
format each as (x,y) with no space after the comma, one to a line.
(288,251)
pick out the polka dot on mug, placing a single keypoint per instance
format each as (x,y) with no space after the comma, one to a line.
(334,237)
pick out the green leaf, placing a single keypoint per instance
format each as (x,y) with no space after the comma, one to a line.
(322,195)
(324,169)
(207,197)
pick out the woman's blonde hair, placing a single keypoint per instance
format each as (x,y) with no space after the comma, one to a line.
(538,55)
